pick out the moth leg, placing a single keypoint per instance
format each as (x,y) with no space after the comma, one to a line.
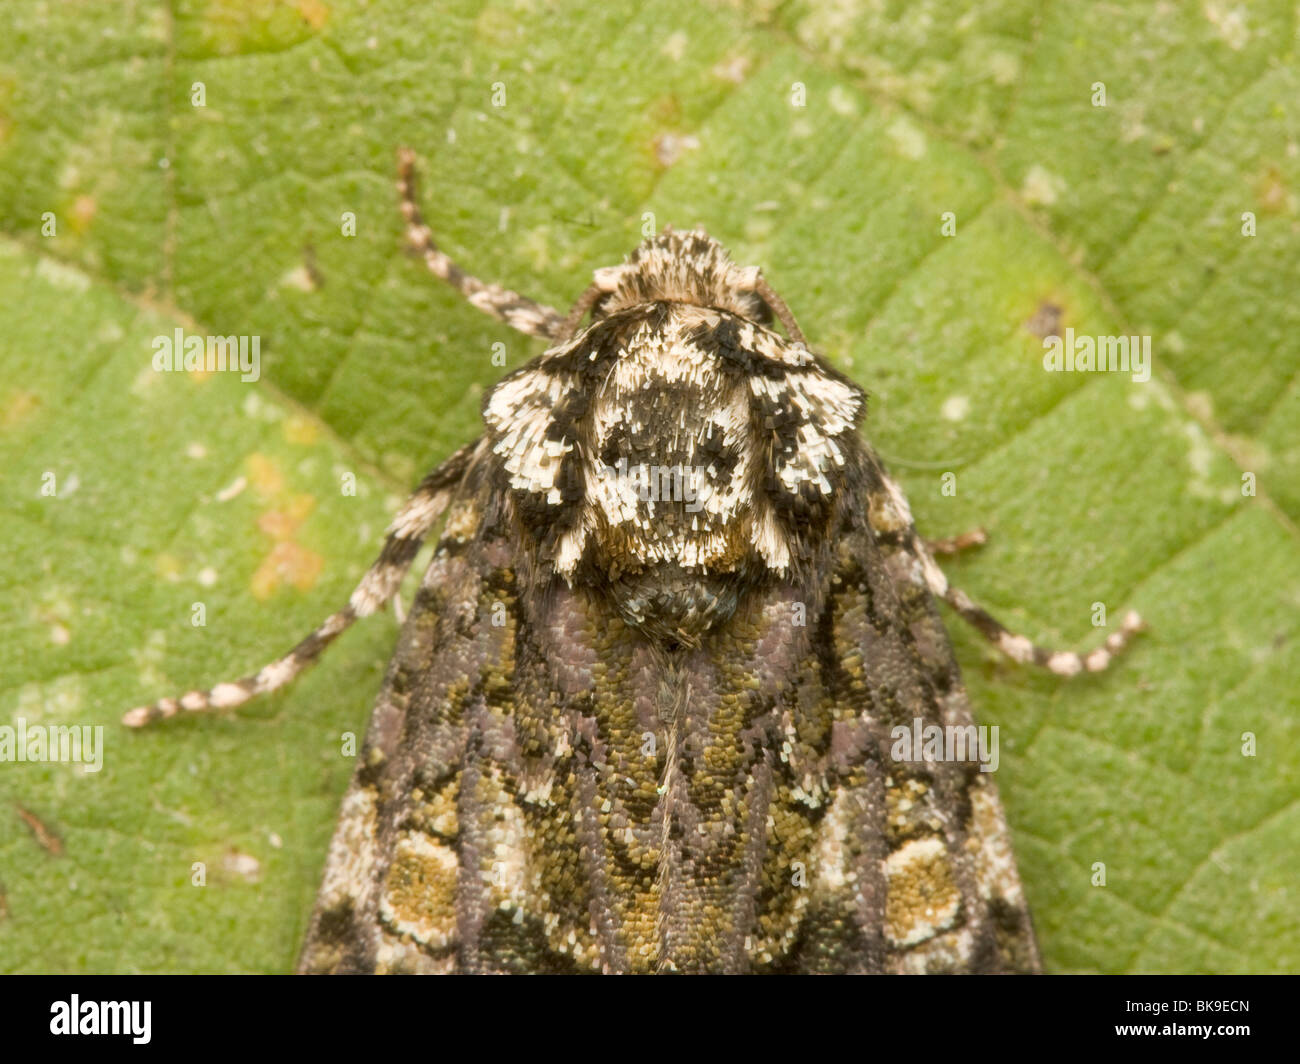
(519,312)
(976,537)
(891,517)
(1021,649)
(377,586)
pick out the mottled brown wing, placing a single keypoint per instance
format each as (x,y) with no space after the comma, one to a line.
(472,837)
(908,864)
(396,872)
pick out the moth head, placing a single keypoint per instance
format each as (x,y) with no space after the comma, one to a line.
(682,267)
(677,450)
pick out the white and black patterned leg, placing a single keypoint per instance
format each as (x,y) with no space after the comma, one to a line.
(976,537)
(377,586)
(890,516)
(1021,649)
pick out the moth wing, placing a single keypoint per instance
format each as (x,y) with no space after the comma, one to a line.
(946,894)
(903,863)
(391,898)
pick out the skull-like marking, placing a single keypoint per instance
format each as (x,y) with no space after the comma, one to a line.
(677,450)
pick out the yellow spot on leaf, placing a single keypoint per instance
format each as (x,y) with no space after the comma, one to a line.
(289,563)
(264,475)
(302,430)
(17,407)
(168,566)
(231,27)
(82,213)
(314,12)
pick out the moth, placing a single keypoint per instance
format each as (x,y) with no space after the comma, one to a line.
(641,714)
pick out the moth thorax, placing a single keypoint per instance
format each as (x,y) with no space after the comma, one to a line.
(669,493)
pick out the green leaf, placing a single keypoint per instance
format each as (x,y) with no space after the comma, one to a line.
(228,218)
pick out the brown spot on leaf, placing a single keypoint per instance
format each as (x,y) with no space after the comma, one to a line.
(49,842)
(1273,195)
(1046,320)
(312,267)
(282,522)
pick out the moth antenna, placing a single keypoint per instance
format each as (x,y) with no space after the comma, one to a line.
(380,582)
(779,308)
(590,296)
(519,312)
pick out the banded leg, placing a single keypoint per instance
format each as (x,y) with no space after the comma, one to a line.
(890,516)
(1021,649)
(377,586)
(976,537)
(519,312)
